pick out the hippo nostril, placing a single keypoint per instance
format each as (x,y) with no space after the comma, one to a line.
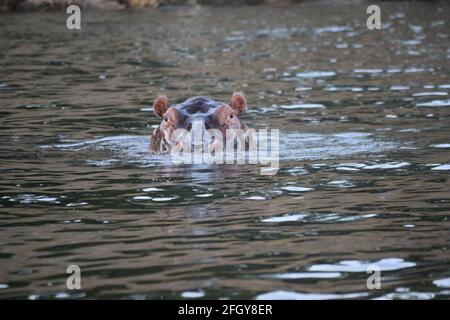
(189,127)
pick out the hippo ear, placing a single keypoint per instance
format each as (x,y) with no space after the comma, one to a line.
(160,105)
(238,102)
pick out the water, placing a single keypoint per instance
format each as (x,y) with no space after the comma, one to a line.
(364,159)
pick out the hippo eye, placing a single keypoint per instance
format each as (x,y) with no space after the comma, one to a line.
(166,119)
(231,116)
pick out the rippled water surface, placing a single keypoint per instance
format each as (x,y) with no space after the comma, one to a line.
(364,119)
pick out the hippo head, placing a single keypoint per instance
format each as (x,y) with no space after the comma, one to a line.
(198,121)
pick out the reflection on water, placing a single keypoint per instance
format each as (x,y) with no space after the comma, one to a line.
(364,154)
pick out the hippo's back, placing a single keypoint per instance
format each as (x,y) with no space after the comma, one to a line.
(195,105)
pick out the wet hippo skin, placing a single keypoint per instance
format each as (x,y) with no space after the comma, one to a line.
(200,115)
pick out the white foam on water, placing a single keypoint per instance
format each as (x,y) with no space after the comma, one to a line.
(409,130)
(127,150)
(416,28)
(413,52)
(394,70)
(411,42)
(265,70)
(133,150)
(399,88)
(339,218)
(414,70)
(352,165)
(303,88)
(332,29)
(347,169)
(352,135)
(410,295)
(305,275)
(318,218)
(444,167)
(442,283)
(103,163)
(424,94)
(255,198)
(388,165)
(296,189)
(204,195)
(193,294)
(164,199)
(315,74)
(304,106)
(98,141)
(286,218)
(435,103)
(441,145)
(76,204)
(152,189)
(342,45)
(235,38)
(73,221)
(62,295)
(387,264)
(28,198)
(352,89)
(297,171)
(368,70)
(292,295)
(142,198)
(340,184)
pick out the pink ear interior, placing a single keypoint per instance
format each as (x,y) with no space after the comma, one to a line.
(160,105)
(238,102)
(223,111)
(175,116)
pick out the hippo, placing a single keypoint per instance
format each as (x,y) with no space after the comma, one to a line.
(203,121)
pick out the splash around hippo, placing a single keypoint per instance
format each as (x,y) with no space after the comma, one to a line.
(199,123)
